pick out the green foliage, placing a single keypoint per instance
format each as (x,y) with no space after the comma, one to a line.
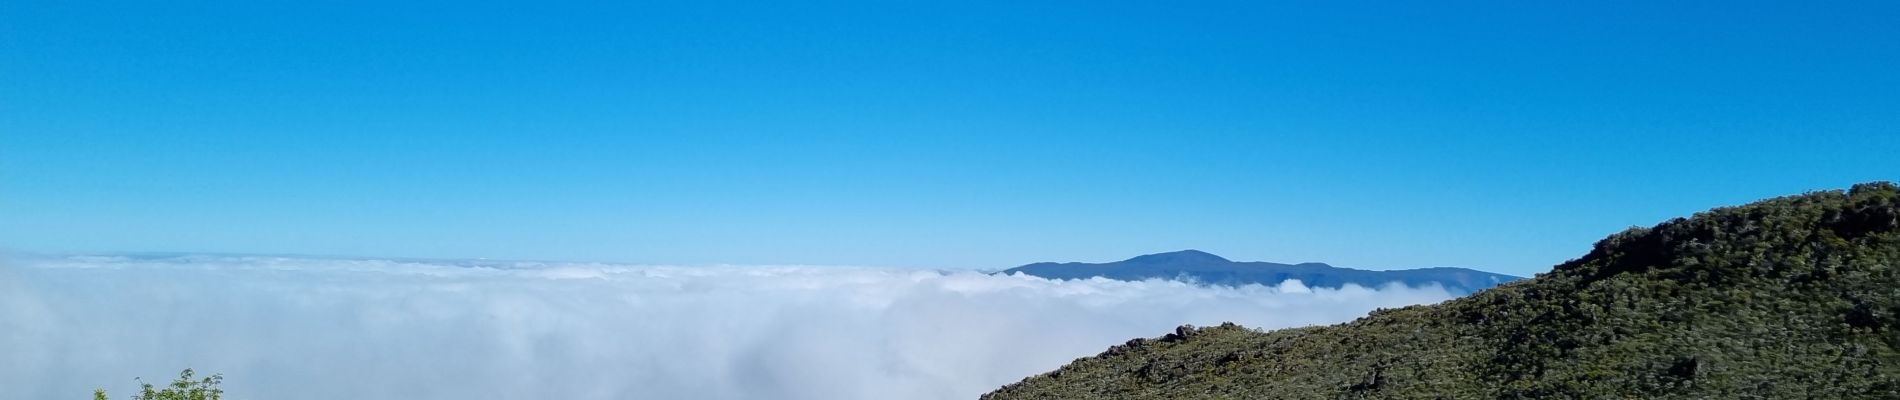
(1794,297)
(183,388)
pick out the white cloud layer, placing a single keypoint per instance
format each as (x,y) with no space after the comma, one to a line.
(291,328)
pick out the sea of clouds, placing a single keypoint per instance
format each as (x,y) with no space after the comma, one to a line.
(310,328)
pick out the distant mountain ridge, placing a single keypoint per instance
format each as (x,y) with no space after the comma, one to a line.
(1207,268)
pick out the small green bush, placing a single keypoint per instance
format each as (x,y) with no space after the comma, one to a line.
(183,388)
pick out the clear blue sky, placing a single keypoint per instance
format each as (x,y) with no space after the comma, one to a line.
(1500,135)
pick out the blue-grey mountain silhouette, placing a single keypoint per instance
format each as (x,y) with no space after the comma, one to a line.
(1202,267)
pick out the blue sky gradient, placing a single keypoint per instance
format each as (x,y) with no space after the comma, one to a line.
(1504,136)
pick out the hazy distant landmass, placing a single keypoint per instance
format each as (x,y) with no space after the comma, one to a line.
(1211,269)
(1789,298)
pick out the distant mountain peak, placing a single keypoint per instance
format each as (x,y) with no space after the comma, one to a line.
(1206,268)
(1189,256)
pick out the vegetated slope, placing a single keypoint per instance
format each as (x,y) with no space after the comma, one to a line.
(1794,297)
(1212,269)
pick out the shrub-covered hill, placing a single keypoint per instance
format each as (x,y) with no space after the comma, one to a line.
(1794,297)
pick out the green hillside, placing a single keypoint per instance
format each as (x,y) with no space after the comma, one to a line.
(1793,297)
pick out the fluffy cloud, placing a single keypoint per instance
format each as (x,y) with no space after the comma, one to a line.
(292,328)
